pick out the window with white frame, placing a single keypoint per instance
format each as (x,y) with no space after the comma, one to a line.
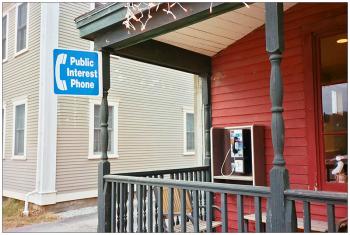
(19,126)
(189,132)
(21,27)
(95,130)
(4,36)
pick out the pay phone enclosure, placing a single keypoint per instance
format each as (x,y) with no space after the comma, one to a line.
(238,155)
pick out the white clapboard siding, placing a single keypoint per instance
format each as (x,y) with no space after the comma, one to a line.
(21,78)
(151,100)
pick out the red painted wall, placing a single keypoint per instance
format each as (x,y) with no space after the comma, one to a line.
(240,95)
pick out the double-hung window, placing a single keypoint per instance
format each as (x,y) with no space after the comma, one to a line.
(95,130)
(4,36)
(21,27)
(19,126)
(189,136)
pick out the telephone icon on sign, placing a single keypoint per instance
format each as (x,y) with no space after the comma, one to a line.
(61,84)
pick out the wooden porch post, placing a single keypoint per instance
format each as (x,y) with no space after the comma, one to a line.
(104,191)
(279,179)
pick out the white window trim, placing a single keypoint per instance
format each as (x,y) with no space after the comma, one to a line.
(7,36)
(27,34)
(91,129)
(185,111)
(17,102)
(4,131)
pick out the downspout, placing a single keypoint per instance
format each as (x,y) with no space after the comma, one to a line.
(206,86)
(26,202)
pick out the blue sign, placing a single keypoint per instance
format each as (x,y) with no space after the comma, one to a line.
(76,73)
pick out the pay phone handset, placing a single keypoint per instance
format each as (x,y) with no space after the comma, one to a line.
(239,163)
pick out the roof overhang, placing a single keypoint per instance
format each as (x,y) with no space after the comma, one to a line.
(186,43)
(105,25)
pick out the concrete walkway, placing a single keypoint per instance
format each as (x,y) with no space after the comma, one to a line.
(82,224)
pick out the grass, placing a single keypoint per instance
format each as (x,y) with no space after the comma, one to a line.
(12,215)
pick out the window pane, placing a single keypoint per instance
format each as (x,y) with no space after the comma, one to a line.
(19,142)
(189,131)
(4,23)
(335,145)
(21,27)
(110,141)
(4,39)
(19,129)
(110,117)
(97,123)
(189,121)
(334,59)
(3,48)
(335,107)
(190,141)
(97,142)
(21,39)
(19,122)
(22,15)
(97,129)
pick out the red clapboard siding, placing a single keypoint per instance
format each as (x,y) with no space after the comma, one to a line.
(240,96)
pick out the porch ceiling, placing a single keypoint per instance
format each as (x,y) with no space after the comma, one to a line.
(189,41)
(210,36)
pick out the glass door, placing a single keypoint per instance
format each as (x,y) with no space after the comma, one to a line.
(333,111)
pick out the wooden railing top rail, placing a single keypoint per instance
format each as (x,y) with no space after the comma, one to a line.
(319,196)
(162,172)
(247,190)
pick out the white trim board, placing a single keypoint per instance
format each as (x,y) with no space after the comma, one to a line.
(52,198)
(63,197)
(47,117)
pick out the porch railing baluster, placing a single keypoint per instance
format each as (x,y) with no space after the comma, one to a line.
(113,208)
(171,210)
(331,218)
(291,217)
(307,218)
(199,178)
(155,210)
(117,186)
(224,218)
(195,211)
(160,206)
(257,208)
(209,212)
(139,208)
(144,215)
(240,213)
(131,208)
(150,209)
(122,207)
(204,196)
(183,210)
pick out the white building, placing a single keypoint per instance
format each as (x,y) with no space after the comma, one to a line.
(51,144)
